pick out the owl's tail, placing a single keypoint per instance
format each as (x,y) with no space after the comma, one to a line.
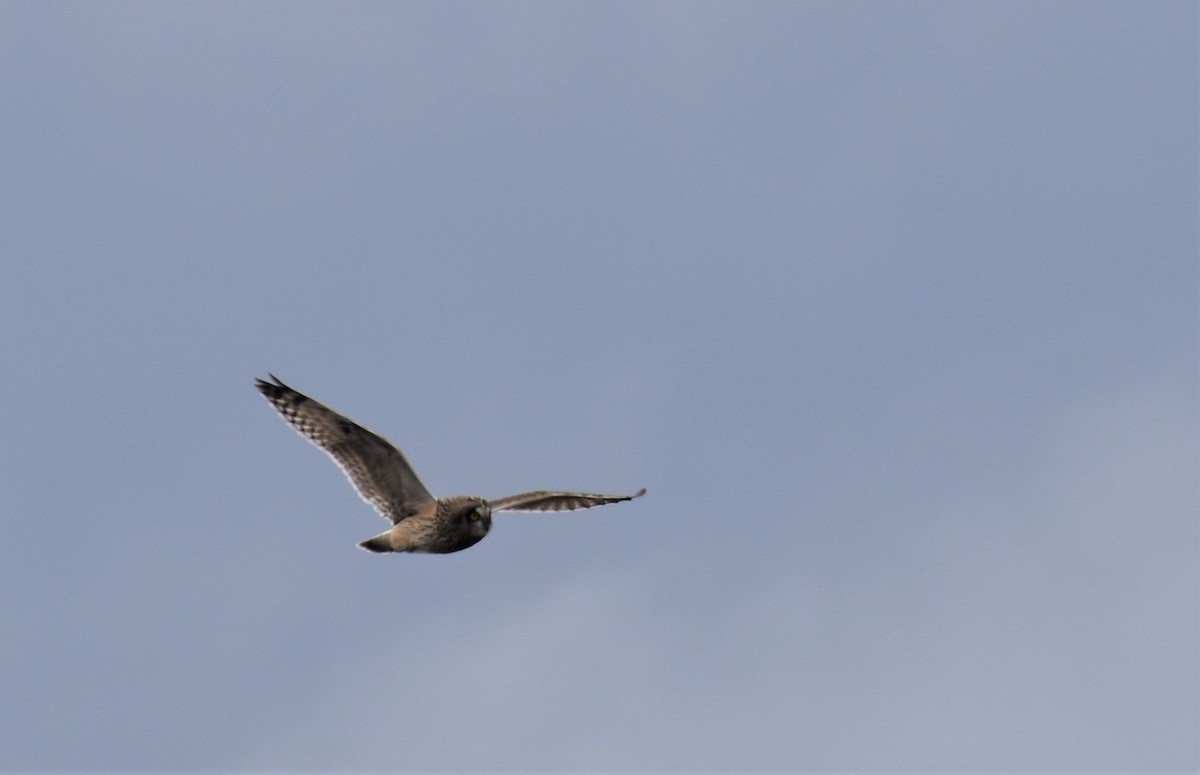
(380,543)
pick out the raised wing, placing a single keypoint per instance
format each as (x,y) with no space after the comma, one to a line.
(544,500)
(377,470)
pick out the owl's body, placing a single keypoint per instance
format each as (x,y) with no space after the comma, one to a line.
(452,525)
(383,477)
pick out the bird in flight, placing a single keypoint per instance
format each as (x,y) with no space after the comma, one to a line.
(384,479)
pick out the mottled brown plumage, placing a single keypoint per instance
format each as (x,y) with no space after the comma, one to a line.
(383,477)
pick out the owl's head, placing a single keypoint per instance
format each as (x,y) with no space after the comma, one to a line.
(476,517)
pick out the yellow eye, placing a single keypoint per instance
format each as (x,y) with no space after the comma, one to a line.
(474,516)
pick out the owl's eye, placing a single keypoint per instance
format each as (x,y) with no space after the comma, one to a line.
(474,516)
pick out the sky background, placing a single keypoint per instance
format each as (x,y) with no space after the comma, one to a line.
(892,307)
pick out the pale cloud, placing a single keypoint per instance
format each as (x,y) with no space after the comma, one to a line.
(1015,629)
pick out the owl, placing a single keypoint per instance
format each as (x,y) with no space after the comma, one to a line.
(384,479)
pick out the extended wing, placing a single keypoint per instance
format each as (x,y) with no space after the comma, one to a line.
(544,500)
(376,468)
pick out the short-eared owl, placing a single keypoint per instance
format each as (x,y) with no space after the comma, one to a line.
(421,523)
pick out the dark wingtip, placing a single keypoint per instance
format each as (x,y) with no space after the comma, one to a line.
(270,389)
(638,494)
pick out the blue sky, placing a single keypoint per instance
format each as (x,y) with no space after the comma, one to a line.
(891,307)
